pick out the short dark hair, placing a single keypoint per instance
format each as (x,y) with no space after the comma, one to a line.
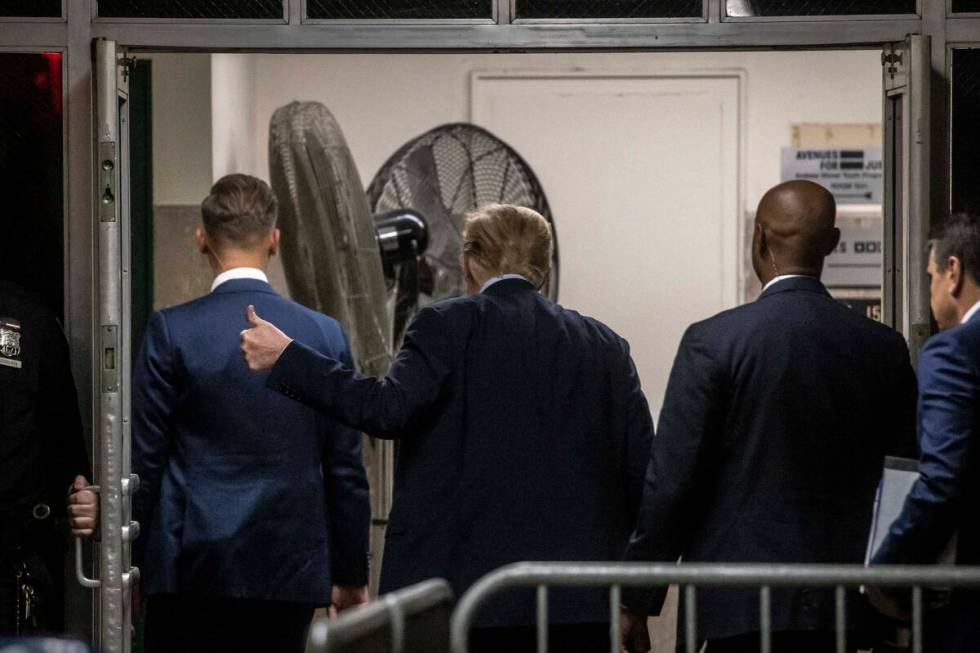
(958,236)
(239,210)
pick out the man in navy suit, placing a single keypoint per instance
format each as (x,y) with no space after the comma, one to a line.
(254,508)
(522,427)
(944,499)
(775,424)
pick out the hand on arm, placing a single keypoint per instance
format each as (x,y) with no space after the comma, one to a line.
(382,407)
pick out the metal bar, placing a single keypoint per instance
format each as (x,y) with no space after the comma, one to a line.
(363,620)
(396,622)
(487,37)
(765,619)
(83,580)
(34,35)
(963,30)
(742,575)
(690,618)
(840,618)
(113,614)
(80,247)
(615,608)
(542,620)
(732,575)
(917,619)
(917,217)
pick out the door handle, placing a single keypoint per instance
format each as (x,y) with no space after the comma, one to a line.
(130,532)
(83,580)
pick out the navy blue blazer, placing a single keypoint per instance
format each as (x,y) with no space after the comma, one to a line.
(523,434)
(245,494)
(770,445)
(945,498)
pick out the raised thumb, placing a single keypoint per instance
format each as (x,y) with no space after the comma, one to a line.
(253,319)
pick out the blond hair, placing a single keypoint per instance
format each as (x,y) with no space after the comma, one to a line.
(507,239)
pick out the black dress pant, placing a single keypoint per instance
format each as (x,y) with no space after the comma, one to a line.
(562,638)
(784,642)
(178,623)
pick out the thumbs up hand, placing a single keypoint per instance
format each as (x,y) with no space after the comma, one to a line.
(262,343)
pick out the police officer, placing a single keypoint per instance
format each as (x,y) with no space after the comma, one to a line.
(42,458)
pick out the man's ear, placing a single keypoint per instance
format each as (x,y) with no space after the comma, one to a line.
(954,275)
(202,240)
(274,239)
(761,239)
(833,243)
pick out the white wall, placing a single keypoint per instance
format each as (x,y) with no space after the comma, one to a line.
(181,128)
(383,100)
(233,114)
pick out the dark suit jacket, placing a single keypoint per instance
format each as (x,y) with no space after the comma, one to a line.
(245,493)
(945,498)
(523,435)
(770,445)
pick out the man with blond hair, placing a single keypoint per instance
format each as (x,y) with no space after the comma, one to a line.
(523,431)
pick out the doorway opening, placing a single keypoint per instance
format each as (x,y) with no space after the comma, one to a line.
(652,163)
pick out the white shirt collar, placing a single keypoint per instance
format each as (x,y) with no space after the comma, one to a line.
(970,313)
(239,273)
(502,277)
(782,277)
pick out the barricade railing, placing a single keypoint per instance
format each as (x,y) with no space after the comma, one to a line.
(412,619)
(615,576)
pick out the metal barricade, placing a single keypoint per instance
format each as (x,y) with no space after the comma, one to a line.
(690,576)
(412,620)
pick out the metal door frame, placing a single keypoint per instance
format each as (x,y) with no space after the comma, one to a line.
(74,34)
(906,81)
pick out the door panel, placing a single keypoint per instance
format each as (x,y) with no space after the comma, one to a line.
(617,191)
(111,217)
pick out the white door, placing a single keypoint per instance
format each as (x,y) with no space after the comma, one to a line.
(642,174)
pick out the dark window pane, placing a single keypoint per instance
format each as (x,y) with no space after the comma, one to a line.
(610,8)
(966,130)
(32,175)
(818,7)
(31,8)
(375,9)
(253,9)
(966,6)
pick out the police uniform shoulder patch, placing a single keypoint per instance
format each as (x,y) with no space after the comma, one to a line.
(10,342)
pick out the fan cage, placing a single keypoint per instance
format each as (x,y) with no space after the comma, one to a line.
(445,174)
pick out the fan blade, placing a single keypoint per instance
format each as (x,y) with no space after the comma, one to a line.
(330,253)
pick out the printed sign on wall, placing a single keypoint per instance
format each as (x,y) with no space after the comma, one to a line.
(858,258)
(854,176)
